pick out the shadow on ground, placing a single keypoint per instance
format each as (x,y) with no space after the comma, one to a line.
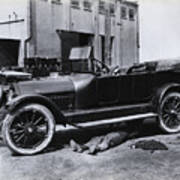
(82,136)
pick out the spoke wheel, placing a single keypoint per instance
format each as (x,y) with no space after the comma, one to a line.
(29,129)
(169,113)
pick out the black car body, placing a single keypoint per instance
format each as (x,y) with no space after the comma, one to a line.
(32,106)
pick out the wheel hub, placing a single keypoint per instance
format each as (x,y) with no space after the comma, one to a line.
(175,115)
(173,112)
(29,129)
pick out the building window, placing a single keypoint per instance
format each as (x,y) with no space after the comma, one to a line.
(75,4)
(56,1)
(131,14)
(123,12)
(102,8)
(87,5)
(112,9)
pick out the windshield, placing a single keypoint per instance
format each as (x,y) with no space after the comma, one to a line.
(79,60)
(78,66)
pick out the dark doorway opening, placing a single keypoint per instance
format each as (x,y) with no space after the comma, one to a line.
(103,54)
(9,52)
(70,40)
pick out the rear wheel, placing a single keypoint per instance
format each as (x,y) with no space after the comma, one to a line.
(169,113)
(29,129)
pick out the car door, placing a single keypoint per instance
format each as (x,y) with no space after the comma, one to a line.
(136,87)
(142,86)
(107,89)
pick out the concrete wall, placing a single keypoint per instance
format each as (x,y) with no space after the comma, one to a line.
(129,37)
(43,21)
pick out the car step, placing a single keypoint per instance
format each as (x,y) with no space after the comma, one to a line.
(89,115)
(108,121)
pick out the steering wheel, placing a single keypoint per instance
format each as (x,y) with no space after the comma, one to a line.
(136,68)
(115,71)
(100,66)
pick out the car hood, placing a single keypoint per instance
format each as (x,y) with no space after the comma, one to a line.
(58,85)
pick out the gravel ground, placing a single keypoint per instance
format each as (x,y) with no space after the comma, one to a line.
(121,162)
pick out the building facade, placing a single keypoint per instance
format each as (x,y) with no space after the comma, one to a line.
(50,28)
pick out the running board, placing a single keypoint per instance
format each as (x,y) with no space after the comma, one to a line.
(86,115)
(111,121)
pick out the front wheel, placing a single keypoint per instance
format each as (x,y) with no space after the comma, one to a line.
(29,129)
(169,113)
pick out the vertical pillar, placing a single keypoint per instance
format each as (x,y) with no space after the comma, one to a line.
(21,54)
(137,36)
(107,35)
(96,44)
(117,41)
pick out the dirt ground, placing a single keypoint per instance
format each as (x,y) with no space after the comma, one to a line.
(119,163)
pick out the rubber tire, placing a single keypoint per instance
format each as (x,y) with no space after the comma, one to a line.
(162,125)
(23,151)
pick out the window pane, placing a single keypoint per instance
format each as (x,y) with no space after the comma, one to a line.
(131,14)
(87,5)
(112,9)
(75,3)
(56,1)
(102,9)
(123,12)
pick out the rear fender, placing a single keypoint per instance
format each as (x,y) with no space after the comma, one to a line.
(24,99)
(162,92)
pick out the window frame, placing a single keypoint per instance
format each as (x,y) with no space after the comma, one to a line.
(75,4)
(102,7)
(56,1)
(112,7)
(131,10)
(123,12)
(88,6)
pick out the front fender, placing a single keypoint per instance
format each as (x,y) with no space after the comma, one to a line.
(19,101)
(162,92)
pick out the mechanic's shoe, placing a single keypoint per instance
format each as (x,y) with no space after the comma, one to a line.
(77,147)
(103,146)
(92,149)
(74,145)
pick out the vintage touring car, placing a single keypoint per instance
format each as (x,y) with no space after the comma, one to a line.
(30,107)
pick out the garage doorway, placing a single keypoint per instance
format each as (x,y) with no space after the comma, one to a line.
(70,40)
(103,54)
(9,52)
